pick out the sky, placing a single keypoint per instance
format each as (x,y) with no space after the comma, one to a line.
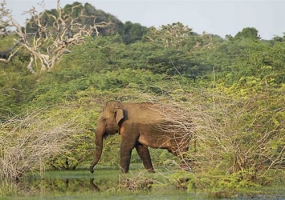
(220,17)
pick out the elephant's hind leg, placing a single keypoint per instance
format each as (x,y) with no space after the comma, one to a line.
(145,156)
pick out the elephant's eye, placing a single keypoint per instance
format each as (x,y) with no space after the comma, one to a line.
(103,119)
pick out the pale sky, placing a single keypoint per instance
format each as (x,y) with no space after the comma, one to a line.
(221,17)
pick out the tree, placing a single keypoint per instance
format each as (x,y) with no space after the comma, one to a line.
(247,33)
(49,35)
(133,32)
(5,29)
(169,35)
(5,21)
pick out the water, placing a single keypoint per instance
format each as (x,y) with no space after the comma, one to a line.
(103,184)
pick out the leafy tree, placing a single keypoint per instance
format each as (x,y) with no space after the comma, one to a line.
(5,21)
(247,33)
(133,32)
(169,35)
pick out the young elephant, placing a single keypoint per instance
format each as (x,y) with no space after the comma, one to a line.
(142,125)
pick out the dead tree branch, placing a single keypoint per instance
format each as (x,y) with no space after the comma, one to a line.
(48,35)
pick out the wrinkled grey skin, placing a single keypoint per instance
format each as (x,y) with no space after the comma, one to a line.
(139,127)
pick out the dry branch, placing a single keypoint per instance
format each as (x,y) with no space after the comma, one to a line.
(136,182)
(47,42)
(236,136)
(177,124)
(26,143)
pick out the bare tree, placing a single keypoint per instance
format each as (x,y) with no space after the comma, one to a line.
(46,43)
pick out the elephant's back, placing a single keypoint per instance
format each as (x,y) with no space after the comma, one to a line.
(147,112)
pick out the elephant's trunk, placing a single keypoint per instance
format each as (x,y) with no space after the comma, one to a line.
(98,150)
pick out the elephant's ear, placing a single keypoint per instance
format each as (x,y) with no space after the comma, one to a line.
(119,115)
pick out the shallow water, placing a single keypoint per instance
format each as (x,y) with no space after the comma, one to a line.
(103,184)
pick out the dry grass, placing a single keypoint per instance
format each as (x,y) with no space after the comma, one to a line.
(135,182)
(238,135)
(27,142)
(230,135)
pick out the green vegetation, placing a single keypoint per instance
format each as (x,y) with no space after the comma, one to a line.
(233,88)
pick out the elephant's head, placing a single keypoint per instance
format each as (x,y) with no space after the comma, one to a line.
(107,124)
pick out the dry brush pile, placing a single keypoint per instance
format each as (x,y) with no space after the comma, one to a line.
(235,141)
(26,143)
(242,138)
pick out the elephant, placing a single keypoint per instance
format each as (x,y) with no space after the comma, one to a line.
(141,125)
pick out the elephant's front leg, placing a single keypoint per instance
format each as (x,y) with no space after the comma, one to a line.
(145,156)
(127,146)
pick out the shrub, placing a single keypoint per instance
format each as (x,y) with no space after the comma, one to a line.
(239,140)
(27,142)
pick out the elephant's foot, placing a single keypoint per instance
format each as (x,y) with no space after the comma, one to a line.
(150,170)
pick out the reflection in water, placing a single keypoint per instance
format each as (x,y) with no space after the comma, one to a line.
(87,187)
(57,186)
(94,187)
